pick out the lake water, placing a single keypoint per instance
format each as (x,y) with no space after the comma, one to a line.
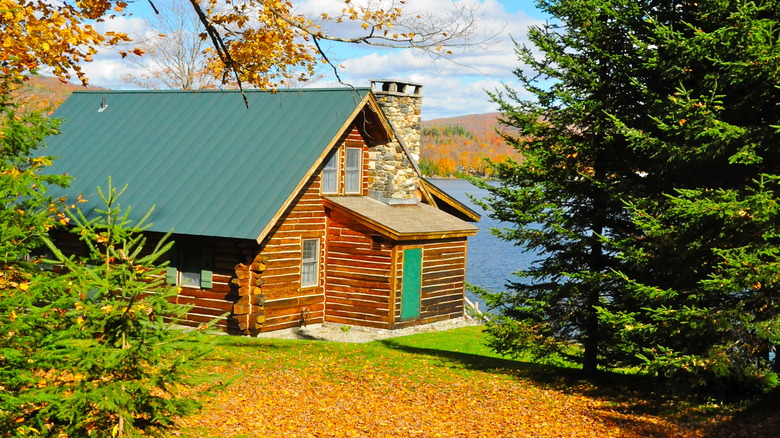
(490,261)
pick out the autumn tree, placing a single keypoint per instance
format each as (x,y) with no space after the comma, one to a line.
(259,43)
(648,189)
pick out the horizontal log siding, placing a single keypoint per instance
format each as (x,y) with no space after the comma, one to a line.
(443,281)
(357,275)
(286,303)
(206,304)
(216,303)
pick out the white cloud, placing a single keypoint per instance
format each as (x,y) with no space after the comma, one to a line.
(452,86)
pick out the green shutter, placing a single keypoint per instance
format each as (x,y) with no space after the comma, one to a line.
(205,279)
(170,275)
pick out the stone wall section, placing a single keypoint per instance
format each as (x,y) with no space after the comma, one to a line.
(392,176)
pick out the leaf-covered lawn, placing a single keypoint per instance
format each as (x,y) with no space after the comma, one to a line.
(408,388)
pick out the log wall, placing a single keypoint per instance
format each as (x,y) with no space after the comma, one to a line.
(206,304)
(305,219)
(287,304)
(443,281)
(357,275)
(218,301)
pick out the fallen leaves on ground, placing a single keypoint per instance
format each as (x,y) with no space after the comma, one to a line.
(338,396)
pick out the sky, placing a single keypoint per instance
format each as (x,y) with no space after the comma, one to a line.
(452,86)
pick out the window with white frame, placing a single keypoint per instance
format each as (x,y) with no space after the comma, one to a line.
(352,171)
(310,262)
(330,179)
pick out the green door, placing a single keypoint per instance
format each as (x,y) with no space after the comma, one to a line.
(412,283)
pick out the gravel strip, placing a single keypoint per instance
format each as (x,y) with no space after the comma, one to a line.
(355,334)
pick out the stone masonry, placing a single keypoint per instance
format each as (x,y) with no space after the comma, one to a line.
(391,174)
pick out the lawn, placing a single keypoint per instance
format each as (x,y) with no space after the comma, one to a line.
(444,384)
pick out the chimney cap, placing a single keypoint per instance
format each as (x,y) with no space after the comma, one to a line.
(396,87)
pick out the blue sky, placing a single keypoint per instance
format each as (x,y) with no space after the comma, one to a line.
(451,87)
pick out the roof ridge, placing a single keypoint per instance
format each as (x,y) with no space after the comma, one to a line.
(231,91)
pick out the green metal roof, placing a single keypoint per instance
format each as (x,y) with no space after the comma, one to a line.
(210,165)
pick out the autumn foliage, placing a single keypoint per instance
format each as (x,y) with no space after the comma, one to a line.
(461,145)
(406,387)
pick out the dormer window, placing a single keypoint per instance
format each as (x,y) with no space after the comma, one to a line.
(352,182)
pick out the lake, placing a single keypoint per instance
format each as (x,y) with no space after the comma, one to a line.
(490,261)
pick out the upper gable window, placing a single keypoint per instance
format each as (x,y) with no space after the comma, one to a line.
(352,181)
(330,180)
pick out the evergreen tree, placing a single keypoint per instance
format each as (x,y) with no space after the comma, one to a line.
(90,352)
(566,193)
(704,275)
(95,350)
(26,213)
(647,187)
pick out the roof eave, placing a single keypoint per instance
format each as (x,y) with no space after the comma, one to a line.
(452,202)
(397,235)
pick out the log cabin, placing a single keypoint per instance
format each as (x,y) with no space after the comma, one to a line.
(302,207)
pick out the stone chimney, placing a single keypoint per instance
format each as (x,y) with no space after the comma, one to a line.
(392,175)
(402,102)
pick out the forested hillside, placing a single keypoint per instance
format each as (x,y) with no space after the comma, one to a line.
(460,145)
(45,93)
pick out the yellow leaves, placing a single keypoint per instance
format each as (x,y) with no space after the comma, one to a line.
(52,35)
(364,25)
(24,286)
(309,391)
(43,161)
(63,219)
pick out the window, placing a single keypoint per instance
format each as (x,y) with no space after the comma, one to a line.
(352,183)
(191,264)
(330,180)
(310,265)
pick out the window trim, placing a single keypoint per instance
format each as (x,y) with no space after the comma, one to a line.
(315,261)
(357,176)
(335,163)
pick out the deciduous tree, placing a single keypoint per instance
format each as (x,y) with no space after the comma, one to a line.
(261,43)
(174,54)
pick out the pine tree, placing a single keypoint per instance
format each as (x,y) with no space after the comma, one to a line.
(95,350)
(705,274)
(566,194)
(648,188)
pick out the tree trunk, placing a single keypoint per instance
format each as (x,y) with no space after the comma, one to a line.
(596,266)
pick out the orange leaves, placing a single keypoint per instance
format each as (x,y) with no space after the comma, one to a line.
(39,33)
(305,390)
